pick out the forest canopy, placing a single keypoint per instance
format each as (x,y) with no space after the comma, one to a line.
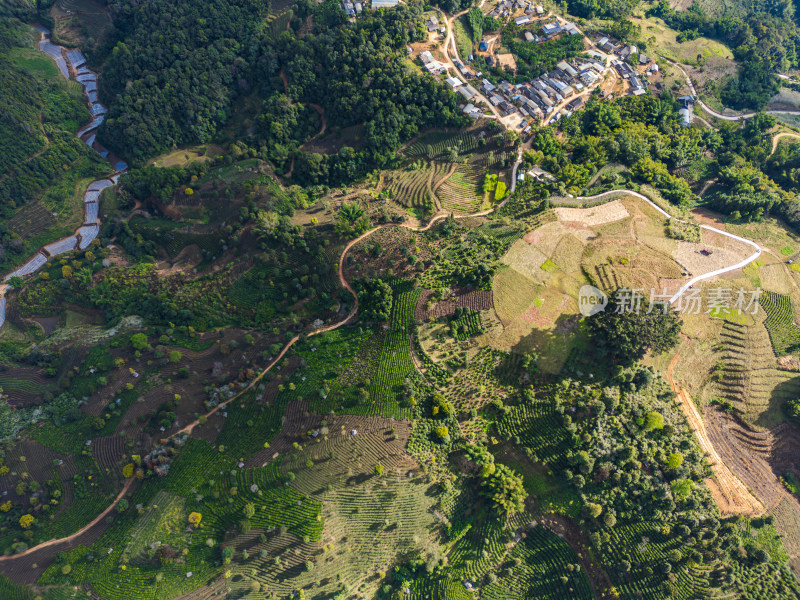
(163,96)
(172,79)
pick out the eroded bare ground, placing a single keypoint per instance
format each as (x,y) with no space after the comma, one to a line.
(760,458)
(731,495)
(748,465)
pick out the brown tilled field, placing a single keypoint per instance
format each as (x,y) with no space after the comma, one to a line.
(596,215)
(461,297)
(387,249)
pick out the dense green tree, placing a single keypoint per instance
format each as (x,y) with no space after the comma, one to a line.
(171,81)
(505,488)
(629,327)
(351,220)
(374,299)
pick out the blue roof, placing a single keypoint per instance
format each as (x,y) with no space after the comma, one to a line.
(483,46)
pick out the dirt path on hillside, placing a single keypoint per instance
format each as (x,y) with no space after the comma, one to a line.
(730,494)
(77,534)
(779,136)
(446,176)
(568,530)
(321,112)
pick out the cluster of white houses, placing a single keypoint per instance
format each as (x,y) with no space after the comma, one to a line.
(561,88)
(627,58)
(539,97)
(355,8)
(509,7)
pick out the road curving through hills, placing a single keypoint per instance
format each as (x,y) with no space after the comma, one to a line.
(718,115)
(188,429)
(688,285)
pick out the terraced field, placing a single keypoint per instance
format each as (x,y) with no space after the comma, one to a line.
(32,219)
(780,322)
(467,146)
(412,188)
(546,560)
(747,374)
(462,192)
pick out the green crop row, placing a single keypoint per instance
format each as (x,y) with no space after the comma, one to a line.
(548,569)
(780,322)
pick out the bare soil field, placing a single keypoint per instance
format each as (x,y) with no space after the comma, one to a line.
(723,253)
(546,237)
(506,60)
(461,297)
(680,4)
(596,215)
(729,492)
(527,259)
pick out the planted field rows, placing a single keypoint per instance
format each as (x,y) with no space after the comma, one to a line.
(780,323)
(432,370)
(545,560)
(394,365)
(646,547)
(463,190)
(403,307)
(108,451)
(32,219)
(340,455)
(465,145)
(369,521)
(479,551)
(412,188)
(748,377)
(219,495)
(475,300)
(467,326)
(538,427)
(437,145)
(480,383)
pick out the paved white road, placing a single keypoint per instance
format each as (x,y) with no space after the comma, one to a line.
(710,274)
(716,114)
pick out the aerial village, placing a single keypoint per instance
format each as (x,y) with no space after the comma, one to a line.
(616,69)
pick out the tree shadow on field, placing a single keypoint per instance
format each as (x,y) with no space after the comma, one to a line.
(565,347)
(787,390)
(358,479)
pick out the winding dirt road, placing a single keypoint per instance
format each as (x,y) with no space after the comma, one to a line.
(77,534)
(737,492)
(779,136)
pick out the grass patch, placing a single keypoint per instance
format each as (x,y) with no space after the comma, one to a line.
(549,266)
(733,315)
(462,37)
